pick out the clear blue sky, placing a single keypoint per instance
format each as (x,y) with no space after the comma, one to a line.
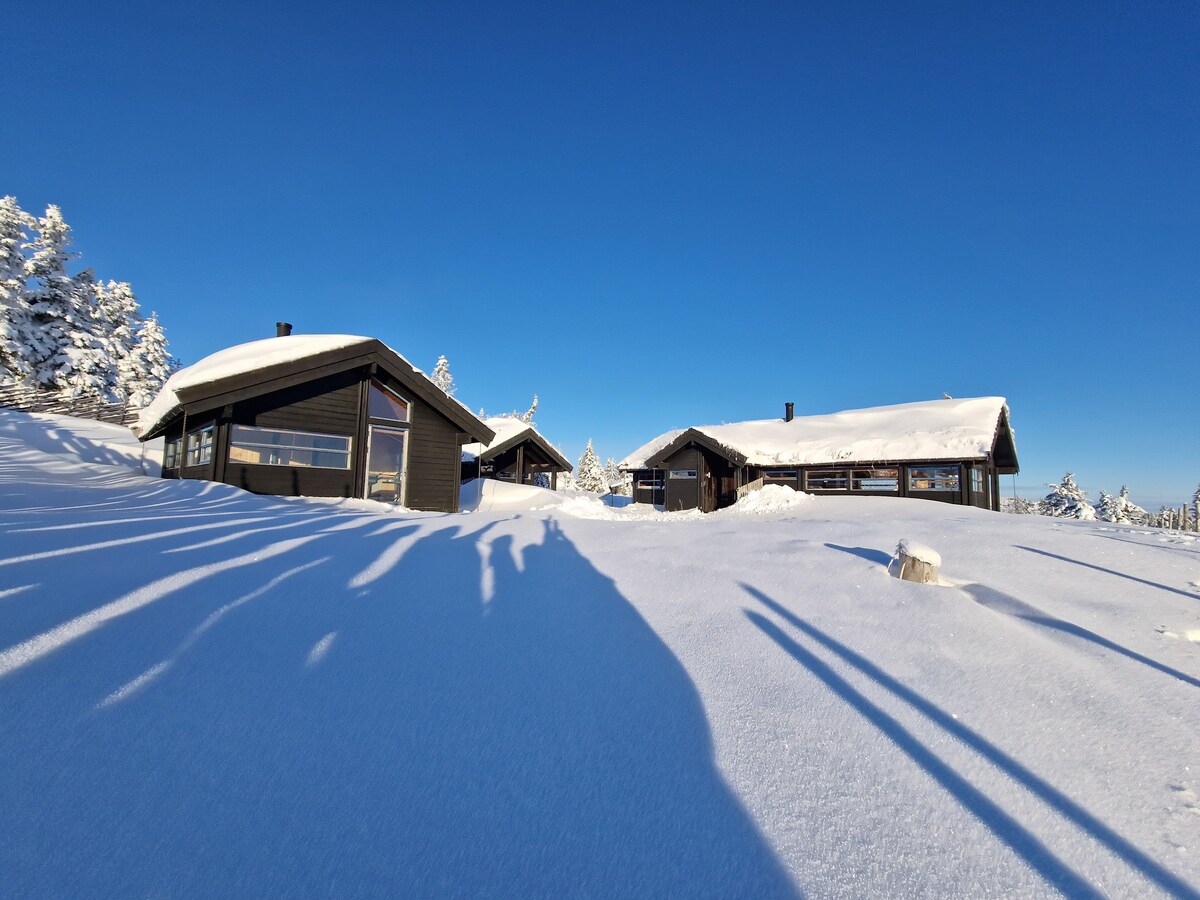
(655,214)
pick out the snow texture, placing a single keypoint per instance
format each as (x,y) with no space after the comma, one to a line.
(210,693)
(928,430)
(918,551)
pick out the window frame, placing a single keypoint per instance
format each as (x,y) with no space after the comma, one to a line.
(203,449)
(682,474)
(873,473)
(234,443)
(842,475)
(948,483)
(173,452)
(375,384)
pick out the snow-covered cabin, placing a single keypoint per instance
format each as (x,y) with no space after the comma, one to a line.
(948,450)
(517,453)
(317,415)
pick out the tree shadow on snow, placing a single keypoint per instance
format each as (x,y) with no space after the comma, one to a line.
(1003,603)
(415,712)
(875,556)
(1007,829)
(1153,584)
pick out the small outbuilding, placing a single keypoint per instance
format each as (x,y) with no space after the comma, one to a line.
(947,450)
(517,453)
(322,415)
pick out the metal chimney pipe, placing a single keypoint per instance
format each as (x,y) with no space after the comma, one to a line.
(789,411)
(283,329)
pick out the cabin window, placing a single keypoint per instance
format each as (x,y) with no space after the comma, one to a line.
(933,478)
(977,480)
(199,446)
(887,480)
(683,473)
(281,447)
(651,482)
(384,403)
(826,480)
(780,475)
(172,451)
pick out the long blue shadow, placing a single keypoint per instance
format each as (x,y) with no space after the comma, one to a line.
(875,556)
(1153,584)
(1003,603)
(1064,805)
(447,729)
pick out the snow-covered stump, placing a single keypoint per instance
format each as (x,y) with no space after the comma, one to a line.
(918,562)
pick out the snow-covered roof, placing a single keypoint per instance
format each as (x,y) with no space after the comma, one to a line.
(244,359)
(509,429)
(927,430)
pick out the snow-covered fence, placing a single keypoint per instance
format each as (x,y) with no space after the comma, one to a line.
(750,488)
(83,406)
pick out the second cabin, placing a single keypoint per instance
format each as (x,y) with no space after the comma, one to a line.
(952,451)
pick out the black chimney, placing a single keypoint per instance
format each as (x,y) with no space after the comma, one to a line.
(789,411)
(283,329)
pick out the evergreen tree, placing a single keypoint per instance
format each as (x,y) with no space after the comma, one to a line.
(613,477)
(67,354)
(1107,508)
(1019,506)
(15,365)
(442,378)
(148,365)
(589,474)
(527,416)
(1128,511)
(119,320)
(1067,501)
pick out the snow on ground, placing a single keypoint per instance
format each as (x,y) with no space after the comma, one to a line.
(208,693)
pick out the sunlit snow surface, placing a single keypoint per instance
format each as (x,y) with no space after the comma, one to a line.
(207,693)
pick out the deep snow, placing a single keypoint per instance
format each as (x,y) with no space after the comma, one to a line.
(208,693)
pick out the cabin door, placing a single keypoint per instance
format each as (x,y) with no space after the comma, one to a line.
(385,464)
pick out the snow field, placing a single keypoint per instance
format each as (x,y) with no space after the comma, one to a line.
(207,692)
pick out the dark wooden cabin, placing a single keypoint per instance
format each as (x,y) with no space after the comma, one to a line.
(316,416)
(952,451)
(517,453)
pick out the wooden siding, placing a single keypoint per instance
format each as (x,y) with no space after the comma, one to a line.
(683,493)
(434,456)
(327,405)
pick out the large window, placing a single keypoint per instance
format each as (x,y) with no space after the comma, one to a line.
(199,447)
(683,473)
(933,478)
(651,482)
(785,476)
(826,480)
(173,450)
(281,447)
(886,480)
(384,403)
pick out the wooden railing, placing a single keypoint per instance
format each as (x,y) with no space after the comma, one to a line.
(83,406)
(749,488)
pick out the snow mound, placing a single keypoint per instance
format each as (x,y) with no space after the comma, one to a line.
(771,498)
(489,495)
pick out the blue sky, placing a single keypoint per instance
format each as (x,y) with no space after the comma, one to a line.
(655,214)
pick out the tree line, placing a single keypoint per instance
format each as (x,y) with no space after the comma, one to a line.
(71,334)
(1067,500)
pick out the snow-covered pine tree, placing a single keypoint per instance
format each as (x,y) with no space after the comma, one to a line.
(1107,509)
(442,378)
(67,354)
(1067,501)
(148,365)
(613,477)
(589,474)
(1128,511)
(119,319)
(527,416)
(1019,506)
(15,319)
